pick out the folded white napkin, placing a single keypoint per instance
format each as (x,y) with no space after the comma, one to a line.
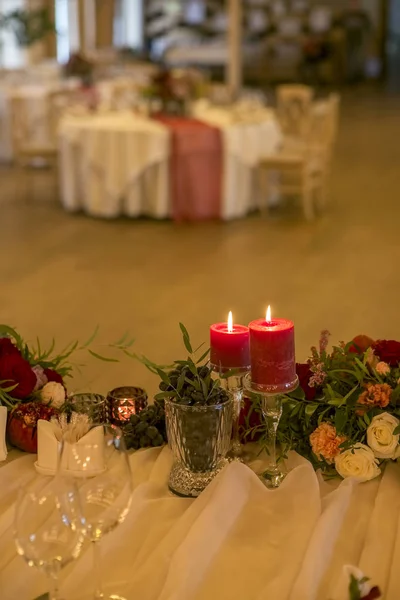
(49,440)
(3,425)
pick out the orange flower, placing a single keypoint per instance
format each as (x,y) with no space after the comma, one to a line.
(377,394)
(325,442)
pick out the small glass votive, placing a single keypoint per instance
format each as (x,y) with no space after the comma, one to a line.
(92,405)
(125,401)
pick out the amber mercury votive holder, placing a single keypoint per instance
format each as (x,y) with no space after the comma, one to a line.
(125,401)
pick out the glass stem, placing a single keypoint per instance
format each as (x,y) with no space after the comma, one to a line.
(272,426)
(272,411)
(52,575)
(237,398)
(98,594)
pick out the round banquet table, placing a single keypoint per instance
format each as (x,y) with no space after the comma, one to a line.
(119,163)
(237,541)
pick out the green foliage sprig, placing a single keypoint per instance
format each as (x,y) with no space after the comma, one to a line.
(189,381)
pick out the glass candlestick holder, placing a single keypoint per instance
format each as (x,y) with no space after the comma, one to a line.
(271,398)
(232,380)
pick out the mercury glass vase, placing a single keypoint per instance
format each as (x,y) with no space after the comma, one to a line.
(199,437)
(92,405)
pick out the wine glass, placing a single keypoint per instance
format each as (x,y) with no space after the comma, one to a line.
(97,466)
(42,531)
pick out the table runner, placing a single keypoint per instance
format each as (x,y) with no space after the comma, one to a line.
(245,143)
(196,163)
(237,541)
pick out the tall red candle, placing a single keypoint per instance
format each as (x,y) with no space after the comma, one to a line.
(229,346)
(272,353)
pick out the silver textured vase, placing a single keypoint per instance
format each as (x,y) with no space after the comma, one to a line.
(199,437)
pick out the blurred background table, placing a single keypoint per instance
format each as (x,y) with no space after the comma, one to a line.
(113,164)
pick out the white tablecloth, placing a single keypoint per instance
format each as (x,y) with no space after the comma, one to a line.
(246,142)
(237,541)
(114,163)
(35,96)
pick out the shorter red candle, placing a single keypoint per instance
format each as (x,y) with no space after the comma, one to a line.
(229,345)
(272,352)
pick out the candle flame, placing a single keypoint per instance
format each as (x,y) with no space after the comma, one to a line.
(268,315)
(230,322)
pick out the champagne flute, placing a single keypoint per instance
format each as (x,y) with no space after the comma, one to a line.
(42,532)
(98,466)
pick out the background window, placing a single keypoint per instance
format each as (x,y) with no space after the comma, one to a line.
(12,56)
(67,26)
(128,24)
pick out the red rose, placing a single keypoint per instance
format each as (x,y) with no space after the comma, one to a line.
(22,424)
(388,351)
(374,594)
(7,347)
(53,376)
(360,344)
(14,369)
(304,374)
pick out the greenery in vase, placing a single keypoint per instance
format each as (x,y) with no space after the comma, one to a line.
(188,382)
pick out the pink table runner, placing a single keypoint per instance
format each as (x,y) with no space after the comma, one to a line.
(195,169)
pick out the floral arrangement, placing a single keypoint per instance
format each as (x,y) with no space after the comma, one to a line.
(345,415)
(173,88)
(78,66)
(33,381)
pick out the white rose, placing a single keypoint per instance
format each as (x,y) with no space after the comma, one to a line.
(380,436)
(358,462)
(53,393)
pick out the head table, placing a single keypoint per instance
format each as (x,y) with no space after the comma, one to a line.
(121,163)
(237,541)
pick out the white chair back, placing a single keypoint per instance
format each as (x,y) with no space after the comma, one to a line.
(25,128)
(294,109)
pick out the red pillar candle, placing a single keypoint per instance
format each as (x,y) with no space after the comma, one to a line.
(229,345)
(272,353)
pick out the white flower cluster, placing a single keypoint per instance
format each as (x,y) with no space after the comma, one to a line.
(53,394)
(362,461)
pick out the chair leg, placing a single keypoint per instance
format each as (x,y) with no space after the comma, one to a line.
(262,191)
(307,197)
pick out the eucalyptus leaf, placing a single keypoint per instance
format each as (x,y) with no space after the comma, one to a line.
(204,388)
(104,358)
(192,367)
(162,395)
(181,381)
(362,366)
(91,338)
(309,411)
(340,419)
(203,356)
(186,338)
(163,376)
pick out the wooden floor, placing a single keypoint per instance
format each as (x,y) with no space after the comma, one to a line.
(61,275)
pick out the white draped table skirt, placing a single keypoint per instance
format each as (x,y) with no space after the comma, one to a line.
(237,541)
